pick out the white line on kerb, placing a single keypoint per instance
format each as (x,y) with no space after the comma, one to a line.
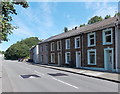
(65,83)
(38,72)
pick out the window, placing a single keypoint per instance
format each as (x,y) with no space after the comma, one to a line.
(77,42)
(91,39)
(67,43)
(92,57)
(67,57)
(42,48)
(52,58)
(58,45)
(107,36)
(46,47)
(52,46)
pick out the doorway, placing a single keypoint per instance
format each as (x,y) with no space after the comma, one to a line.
(108,59)
(59,58)
(78,59)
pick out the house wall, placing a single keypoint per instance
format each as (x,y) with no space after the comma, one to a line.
(55,52)
(83,49)
(117,33)
(43,51)
(72,50)
(35,54)
(99,49)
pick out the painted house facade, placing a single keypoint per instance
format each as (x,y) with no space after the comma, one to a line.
(94,46)
(34,54)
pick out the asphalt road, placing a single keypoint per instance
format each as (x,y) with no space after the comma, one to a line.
(23,77)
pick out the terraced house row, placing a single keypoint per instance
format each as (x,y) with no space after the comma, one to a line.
(95,46)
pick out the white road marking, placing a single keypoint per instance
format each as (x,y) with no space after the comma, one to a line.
(28,68)
(65,83)
(38,72)
(21,77)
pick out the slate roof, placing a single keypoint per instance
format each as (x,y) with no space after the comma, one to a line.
(88,28)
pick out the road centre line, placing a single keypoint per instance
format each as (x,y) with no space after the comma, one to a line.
(65,83)
(38,72)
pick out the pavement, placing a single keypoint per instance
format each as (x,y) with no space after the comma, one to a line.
(25,77)
(114,77)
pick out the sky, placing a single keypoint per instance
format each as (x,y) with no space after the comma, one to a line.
(45,19)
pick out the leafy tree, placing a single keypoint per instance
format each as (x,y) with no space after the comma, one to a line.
(82,25)
(95,19)
(2,52)
(21,48)
(107,16)
(117,14)
(7,7)
(65,29)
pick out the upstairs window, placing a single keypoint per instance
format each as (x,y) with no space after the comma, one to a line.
(67,43)
(58,45)
(107,36)
(77,42)
(91,39)
(42,48)
(52,46)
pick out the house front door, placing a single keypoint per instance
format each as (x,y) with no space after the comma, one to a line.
(78,59)
(108,60)
(59,58)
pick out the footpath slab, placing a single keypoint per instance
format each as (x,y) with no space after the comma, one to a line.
(114,77)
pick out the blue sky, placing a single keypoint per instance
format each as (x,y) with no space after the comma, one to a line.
(45,19)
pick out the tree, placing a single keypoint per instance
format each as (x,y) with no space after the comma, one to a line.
(65,29)
(95,19)
(82,25)
(117,14)
(2,52)
(107,16)
(7,7)
(21,48)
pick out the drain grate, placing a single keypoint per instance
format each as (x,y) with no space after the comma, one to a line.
(30,76)
(57,74)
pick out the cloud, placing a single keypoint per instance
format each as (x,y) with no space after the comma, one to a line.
(23,30)
(102,8)
(47,9)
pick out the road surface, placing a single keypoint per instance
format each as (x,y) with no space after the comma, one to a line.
(23,77)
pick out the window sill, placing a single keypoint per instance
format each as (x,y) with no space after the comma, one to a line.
(91,64)
(107,43)
(91,45)
(77,47)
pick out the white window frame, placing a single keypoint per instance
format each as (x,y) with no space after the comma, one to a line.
(66,59)
(66,43)
(52,61)
(52,46)
(89,34)
(92,50)
(76,42)
(58,45)
(104,37)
